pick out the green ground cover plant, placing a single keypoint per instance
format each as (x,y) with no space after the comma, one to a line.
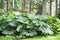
(28,25)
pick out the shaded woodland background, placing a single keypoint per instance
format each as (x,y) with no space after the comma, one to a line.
(49,7)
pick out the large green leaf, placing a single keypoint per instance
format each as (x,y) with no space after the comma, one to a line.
(30,25)
(23,20)
(8,30)
(19,27)
(45,28)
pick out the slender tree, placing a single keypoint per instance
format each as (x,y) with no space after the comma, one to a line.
(50,7)
(31,7)
(58,9)
(24,6)
(39,11)
(44,7)
(7,5)
(13,3)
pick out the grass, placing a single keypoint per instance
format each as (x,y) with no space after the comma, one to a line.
(56,37)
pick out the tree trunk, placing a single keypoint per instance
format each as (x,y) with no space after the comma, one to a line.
(50,7)
(44,7)
(24,4)
(58,10)
(39,11)
(31,7)
(7,5)
(13,3)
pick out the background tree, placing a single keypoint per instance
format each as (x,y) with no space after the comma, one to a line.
(39,11)
(44,7)
(29,6)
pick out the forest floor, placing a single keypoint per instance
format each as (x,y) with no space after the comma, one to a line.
(55,37)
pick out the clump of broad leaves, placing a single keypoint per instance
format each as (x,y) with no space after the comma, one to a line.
(28,25)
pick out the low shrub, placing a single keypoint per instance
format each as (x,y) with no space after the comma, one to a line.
(28,25)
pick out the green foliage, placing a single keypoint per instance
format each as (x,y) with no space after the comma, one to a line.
(28,25)
(2,4)
(6,38)
(54,22)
